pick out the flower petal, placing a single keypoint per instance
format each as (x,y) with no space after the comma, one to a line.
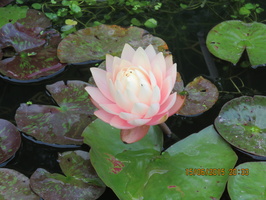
(140,58)
(111,108)
(119,123)
(158,119)
(165,107)
(128,116)
(150,52)
(99,77)
(138,122)
(97,96)
(156,95)
(103,115)
(109,62)
(153,110)
(139,109)
(178,104)
(168,61)
(166,89)
(159,62)
(127,52)
(134,135)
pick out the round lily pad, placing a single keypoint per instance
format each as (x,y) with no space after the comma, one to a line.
(10,140)
(229,39)
(241,122)
(201,96)
(14,185)
(94,43)
(28,52)
(61,124)
(247,181)
(79,181)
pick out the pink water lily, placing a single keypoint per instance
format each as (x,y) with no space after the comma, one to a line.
(135,91)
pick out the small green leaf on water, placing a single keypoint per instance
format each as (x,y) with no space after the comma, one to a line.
(36,6)
(151,23)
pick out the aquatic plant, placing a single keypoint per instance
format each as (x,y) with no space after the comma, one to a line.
(135,91)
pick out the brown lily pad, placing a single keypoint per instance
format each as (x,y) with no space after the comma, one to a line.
(61,124)
(79,181)
(28,53)
(10,140)
(94,43)
(201,96)
(14,185)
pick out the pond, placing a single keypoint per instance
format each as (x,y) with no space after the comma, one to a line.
(184,27)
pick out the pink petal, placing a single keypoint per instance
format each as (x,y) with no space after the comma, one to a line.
(156,95)
(122,64)
(166,89)
(103,115)
(158,119)
(138,122)
(99,77)
(127,52)
(128,116)
(133,135)
(159,62)
(140,58)
(172,73)
(97,96)
(109,62)
(157,73)
(150,52)
(139,109)
(153,110)
(111,108)
(168,61)
(168,104)
(119,123)
(178,104)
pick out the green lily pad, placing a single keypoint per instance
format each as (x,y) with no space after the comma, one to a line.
(10,140)
(248,181)
(14,185)
(141,171)
(79,181)
(94,43)
(61,124)
(241,122)
(202,94)
(229,39)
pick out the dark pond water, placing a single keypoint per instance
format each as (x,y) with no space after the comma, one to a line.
(184,45)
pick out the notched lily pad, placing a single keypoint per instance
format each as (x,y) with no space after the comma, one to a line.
(28,53)
(241,122)
(201,96)
(14,185)
(79,181)
(10,140)
(248,181)
(94,43)
(61,124)
(229,39)
(141,171)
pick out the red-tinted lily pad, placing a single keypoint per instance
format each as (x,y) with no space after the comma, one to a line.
(229,39)
(79,181)
(241,122)
(28,53)
(94,43)
(35,18)
(10,140)
(14,185)
(61,124)
(201,96)
(5,2)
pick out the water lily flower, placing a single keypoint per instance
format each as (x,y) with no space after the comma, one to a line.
(135,91)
